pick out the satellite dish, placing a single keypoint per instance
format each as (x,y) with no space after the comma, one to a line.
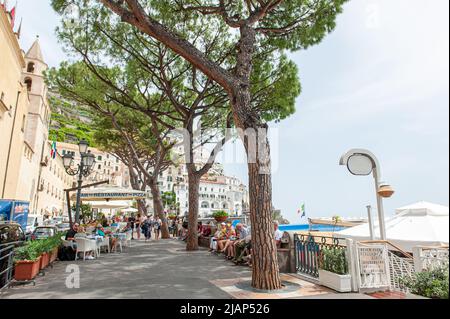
(360,165)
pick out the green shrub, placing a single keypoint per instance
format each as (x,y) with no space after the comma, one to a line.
(431,283)
(33,249)
(30,251)
(334,260)
(220,214)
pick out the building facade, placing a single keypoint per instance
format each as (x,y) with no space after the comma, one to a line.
(28,172)
(14,106)
(216,192)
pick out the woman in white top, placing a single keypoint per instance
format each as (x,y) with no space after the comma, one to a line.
(157,226)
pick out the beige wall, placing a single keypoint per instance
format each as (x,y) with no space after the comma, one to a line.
(11,65)
(53,181)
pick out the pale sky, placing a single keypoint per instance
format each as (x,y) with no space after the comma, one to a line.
(379,81)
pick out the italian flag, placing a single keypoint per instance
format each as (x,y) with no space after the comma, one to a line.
(53,151)
(302,211)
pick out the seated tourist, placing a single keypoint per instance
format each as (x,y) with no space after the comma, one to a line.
(243,249)
(278,234)
(230,235)
(242,232)
(70,235)
(219,235)
(100,231)
(205,231)
(81,233)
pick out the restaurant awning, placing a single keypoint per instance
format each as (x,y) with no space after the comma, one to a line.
(111,194)
(110,205)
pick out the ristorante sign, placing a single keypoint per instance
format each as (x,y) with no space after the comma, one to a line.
(112,196)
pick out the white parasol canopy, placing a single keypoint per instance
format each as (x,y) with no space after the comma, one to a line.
(424,208)
(109,205)
(420,224)
(130,210)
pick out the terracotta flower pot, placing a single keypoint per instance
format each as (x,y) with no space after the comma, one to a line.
(26,270)
(221,219)
(45,260)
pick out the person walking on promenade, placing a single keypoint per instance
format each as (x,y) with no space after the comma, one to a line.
(131,223)
(147,228)
(139,221)
(157,226)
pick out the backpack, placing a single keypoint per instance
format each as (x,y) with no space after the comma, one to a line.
(66,254)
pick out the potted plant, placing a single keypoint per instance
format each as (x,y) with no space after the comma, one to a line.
(44,248)
(333,270)
(220,216)
(54,246)
(27,260)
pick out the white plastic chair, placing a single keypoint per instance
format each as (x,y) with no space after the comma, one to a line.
(90,230)
(122,240)
(103,243)
(129,236)
(85,245)
(66,243)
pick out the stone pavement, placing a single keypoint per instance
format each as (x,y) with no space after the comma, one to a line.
(158,269)
(154,270)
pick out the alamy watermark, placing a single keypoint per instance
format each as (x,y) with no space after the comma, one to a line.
(228,146)
(73,277)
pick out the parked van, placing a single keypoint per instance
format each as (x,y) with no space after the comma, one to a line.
(33,222)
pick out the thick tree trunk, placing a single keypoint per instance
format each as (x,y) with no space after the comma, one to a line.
(159,210)
(134,181)
(265,270)
(194,184)
(142,207)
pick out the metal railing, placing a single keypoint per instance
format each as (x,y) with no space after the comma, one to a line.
(309,252)
(6,265)
(400,268)
(429,258)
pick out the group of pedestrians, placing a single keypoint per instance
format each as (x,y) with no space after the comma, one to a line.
(145,225)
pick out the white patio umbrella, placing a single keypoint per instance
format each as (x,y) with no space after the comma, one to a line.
(130,210)
(109,204)
(420,224)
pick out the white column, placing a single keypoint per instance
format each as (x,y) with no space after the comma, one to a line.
(416,258)
(352,270)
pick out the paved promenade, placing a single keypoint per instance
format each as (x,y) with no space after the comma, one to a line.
(157,270)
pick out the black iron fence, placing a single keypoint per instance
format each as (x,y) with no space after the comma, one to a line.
(309,252)
(6,265)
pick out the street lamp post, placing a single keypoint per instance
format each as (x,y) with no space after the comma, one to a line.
(84,169)
(362,162)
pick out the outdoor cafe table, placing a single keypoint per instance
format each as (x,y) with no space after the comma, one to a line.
(120,236)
